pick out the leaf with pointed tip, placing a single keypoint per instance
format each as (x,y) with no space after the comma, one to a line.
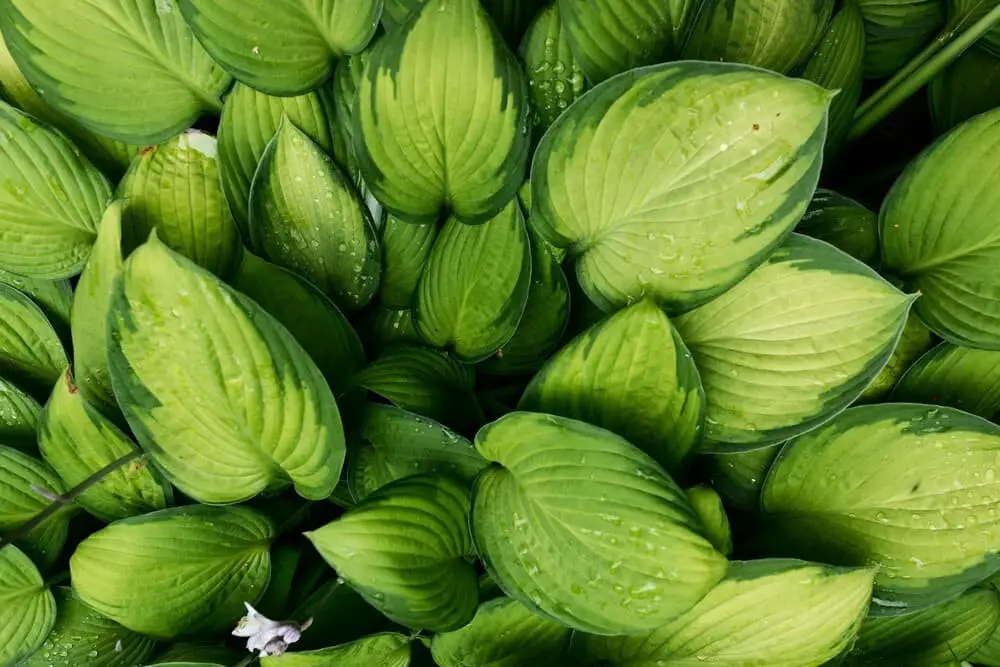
(54,297)
(382,650)
(968,87)
(896,30)
(405,249)
(219,393)
(913,343)
(404,549)
(959,377)
(466,151)
(29,609)
(739,476)
(23,481)
(19,414)
(31,354)
(843,223)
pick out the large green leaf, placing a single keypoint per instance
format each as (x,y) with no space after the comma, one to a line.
(82,636)
(675,181)
(127,69)
(939,237)
(896,30)
(31,353)
(175,189)
(970,86)
(914,489)
(307,217)
(404,548)
(793,344)
(282,47)
(960,377)
(844,223)
(778,613)
(474,288)
(19,414)
(51,201)
(630,374)
(29,609)
(220,394)
(24,483)
(579,525)
(466,148)
(54,297)
(914,342)
(405,249)
(739,476)
(77,441)
(382,650)
(346,79)
(178,571)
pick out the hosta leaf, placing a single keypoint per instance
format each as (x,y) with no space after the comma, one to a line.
(394,443)
(29,609)
(54,297)
(896,30)
(382,650)
(31,353)
(283,47)
(466,150)
(778,613)
(383,327)
(915,340)
(941,635)
(938,234)
(739,476)
(475,285)
(307,217)
(19,414)
(77,441)
(911,488)
(346,79)
(199,653)
(51,201)
(339,613)
(970,86)
(960,377)
(971,11)
(245,412)
(136,73)
(988,654)
(23,481)
(630,374)
(404,549)
(579,525)
(82,636)
(512,17)
(708,506)
(792,345)
(774,34)
(175,189)
(405,249)
(843,223)
(178,571)
(504,633)
(677,180)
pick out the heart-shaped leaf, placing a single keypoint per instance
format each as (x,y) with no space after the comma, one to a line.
(54,297)
(896,30)
(382,650)
(19,415)
(579,525)
(31,353)
(915,341)
(24,484)
(968,87)
(739,476)
(29,609)
(960,377)
(245,412)
(469,159)
(843,223)
(405,249)
(675,181)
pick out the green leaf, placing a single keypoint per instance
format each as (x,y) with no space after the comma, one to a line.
(970,86)
(175,189)
(739,476)
(282,48)
(959,377)
(54,297)
(988,654)
(23,481)
(581,526)
(405,249)
(394,444)
(179,571)
(82,636)
(134,72)
(896,30)
(630,374)
(766,612)
(843,223)
(939,237)
(382,328)
(708,506)
(675,181)
(51,200)
(973,10)
(504,633)
(382,650)
(792,345)
(29,609)
(941,635)
(246,411)
(466,151)
(77,441)
(205,654)
(346,79)
(910,488)
(404,549)
(339,613)
(914,342)
(512,17)
(31,353)
(475,285)
(19,414)
(307,217)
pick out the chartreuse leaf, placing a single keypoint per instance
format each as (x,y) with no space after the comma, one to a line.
(19,414)
(896,30)
(31,353)
(942,635)
(466,150)
(630,374)
(843,223)
(54,297)
(779,613)
(82,636)
(774,34)
(792,345)
(708,506)
(504,633)
(381,650)
(179,571)
(474,288)
(286,47)
(911,488)
(404,549)
(29,608)
(675,181)
(23,481)
(968,87)
(405,249)
(577,524)
(739,476)
(175,189)
(394,443)
(960,377)
(914,342)
(77,441)
(246,410)
(51,201)
(135,74)
(939,238)
(307,217)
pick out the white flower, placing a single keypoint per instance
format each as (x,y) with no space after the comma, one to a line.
(268,637)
